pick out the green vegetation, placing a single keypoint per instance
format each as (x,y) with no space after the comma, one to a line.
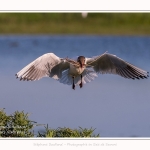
(73,23)
(67,132)
(15,125)
(19,125)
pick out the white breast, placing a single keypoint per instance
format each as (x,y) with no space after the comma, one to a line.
(75,71)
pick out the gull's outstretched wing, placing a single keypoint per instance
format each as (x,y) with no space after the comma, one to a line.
(108,63)
(47,65)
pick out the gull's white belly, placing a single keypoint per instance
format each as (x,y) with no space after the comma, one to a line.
(75,71)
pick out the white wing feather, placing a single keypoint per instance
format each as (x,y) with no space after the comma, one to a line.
(41,67)
(108,63)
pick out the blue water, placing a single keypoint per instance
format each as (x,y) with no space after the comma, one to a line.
(115,106)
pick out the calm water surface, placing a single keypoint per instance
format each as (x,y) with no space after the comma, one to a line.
(115,106)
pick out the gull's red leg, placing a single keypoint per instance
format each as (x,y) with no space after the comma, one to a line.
(81,85)
(73,85)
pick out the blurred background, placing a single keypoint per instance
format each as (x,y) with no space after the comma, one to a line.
(75,23)
(115,106)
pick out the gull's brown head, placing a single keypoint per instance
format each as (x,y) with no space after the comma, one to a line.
(81,61)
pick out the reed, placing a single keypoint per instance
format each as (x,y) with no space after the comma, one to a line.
(73,23)
(18,124)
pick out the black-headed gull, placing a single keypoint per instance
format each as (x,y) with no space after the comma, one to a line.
(80,70)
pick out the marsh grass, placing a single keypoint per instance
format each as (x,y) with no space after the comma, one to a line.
(18,124)
(67,132)
(73,23)
(15,125)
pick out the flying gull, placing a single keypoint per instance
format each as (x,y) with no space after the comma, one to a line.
(80,70)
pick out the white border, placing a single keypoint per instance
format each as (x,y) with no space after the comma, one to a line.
(73,143)
(74,5)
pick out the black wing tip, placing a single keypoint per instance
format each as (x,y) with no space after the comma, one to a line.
(144,77)
(147,75)
(24,79)
(16,76)
(141,77)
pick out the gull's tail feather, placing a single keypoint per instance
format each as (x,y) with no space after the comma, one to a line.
(65,78)
(87,76)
